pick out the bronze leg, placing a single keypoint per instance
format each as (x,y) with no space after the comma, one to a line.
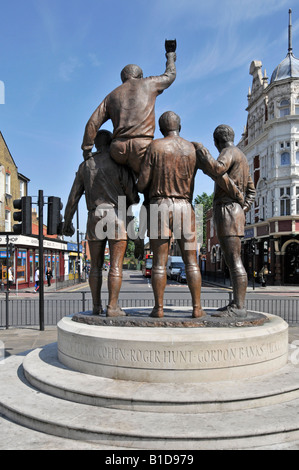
(117,253)
(97,251)
(159,277)
(194,280)
(231,247)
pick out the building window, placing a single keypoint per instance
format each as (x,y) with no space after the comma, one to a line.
(22,265)
(297,200)
(7,221)
(212,227)
(262,208)
(7,183)
(285,201)
(213,255)
(22,189)
(271,111)
(273,202)
(272,160)
(263,164)
(218,254)
(285,159)
(297,158)
(284,108)
(248,217)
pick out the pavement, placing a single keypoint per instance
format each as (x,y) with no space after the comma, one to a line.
(29,292)
(22,339)
(19,341)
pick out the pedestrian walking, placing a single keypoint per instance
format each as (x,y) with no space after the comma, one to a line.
(263,275)
(36,278)
(9,278)
(49,276)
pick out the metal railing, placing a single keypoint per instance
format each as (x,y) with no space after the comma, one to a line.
(25,312)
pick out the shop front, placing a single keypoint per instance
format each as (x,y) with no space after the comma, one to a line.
(275,245)
(74,262)
(21,253)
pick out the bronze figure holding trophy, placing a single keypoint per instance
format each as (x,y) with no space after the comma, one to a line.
(164,170)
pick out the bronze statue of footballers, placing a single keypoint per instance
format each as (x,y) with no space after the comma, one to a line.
(229,211)
(103,182)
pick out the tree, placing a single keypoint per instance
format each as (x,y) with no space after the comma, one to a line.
(130,249)
(207,202)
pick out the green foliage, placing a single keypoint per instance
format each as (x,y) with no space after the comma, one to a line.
(130,249)
(207,202)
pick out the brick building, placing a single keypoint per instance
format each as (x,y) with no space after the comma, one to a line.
(23,254)
(13,185)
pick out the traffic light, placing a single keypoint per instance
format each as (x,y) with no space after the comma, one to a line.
(24,216)
(54,226)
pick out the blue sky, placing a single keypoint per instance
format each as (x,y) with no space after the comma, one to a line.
(60,58)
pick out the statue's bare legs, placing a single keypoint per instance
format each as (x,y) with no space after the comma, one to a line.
(231,248)
(117,253)
(160,250)
(97,252)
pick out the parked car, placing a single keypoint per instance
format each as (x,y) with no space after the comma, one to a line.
(174,265)
(182,276)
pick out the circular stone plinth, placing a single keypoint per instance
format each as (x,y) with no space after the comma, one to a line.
(173,318)
(173,354)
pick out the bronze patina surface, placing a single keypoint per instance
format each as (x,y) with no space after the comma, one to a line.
(229,209)
(173,318)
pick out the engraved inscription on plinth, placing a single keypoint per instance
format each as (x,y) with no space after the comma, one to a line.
(193,354)
(168,356)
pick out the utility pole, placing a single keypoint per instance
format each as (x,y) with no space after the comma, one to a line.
(78,246)
(54,227)
(41,258)
(7,291)
(253,263)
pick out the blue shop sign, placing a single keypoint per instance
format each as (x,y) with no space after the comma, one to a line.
(249,233)
(74,247)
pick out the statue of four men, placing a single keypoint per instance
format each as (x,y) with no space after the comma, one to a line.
(129,161)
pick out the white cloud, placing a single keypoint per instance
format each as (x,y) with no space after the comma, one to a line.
(50,22)
(214,13)
(229,35)
(239,11)
(223,54)
(68,68)
(95,62)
